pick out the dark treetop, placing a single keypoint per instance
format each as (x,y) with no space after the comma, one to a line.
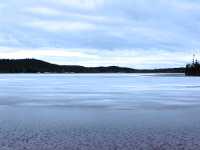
(193,69)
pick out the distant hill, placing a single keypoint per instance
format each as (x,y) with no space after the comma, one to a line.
(38,66)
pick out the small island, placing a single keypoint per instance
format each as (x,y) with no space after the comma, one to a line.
(193,69)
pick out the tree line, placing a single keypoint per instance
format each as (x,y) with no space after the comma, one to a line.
(39,66)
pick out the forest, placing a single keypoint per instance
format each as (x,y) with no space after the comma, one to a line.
(39,66)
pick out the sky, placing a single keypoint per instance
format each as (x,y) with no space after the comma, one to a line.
(130,33)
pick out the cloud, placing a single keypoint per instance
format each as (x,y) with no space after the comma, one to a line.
(15,53)
(2,6)
(41,10)
(186,5)
(81,4)
(61,26)
(162,32)
(45,11)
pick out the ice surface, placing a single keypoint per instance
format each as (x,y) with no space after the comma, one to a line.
(99,112)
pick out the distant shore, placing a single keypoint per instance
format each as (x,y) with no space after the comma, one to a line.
(39,66)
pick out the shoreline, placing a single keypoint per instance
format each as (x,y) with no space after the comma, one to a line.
(39,66)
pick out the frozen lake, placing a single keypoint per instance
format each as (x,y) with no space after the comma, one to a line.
(99,111)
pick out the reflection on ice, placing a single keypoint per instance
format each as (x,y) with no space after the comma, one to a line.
(99,90)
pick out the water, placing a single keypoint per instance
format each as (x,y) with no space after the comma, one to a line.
(99,111)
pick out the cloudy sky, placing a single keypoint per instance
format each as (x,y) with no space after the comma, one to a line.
(133,33)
